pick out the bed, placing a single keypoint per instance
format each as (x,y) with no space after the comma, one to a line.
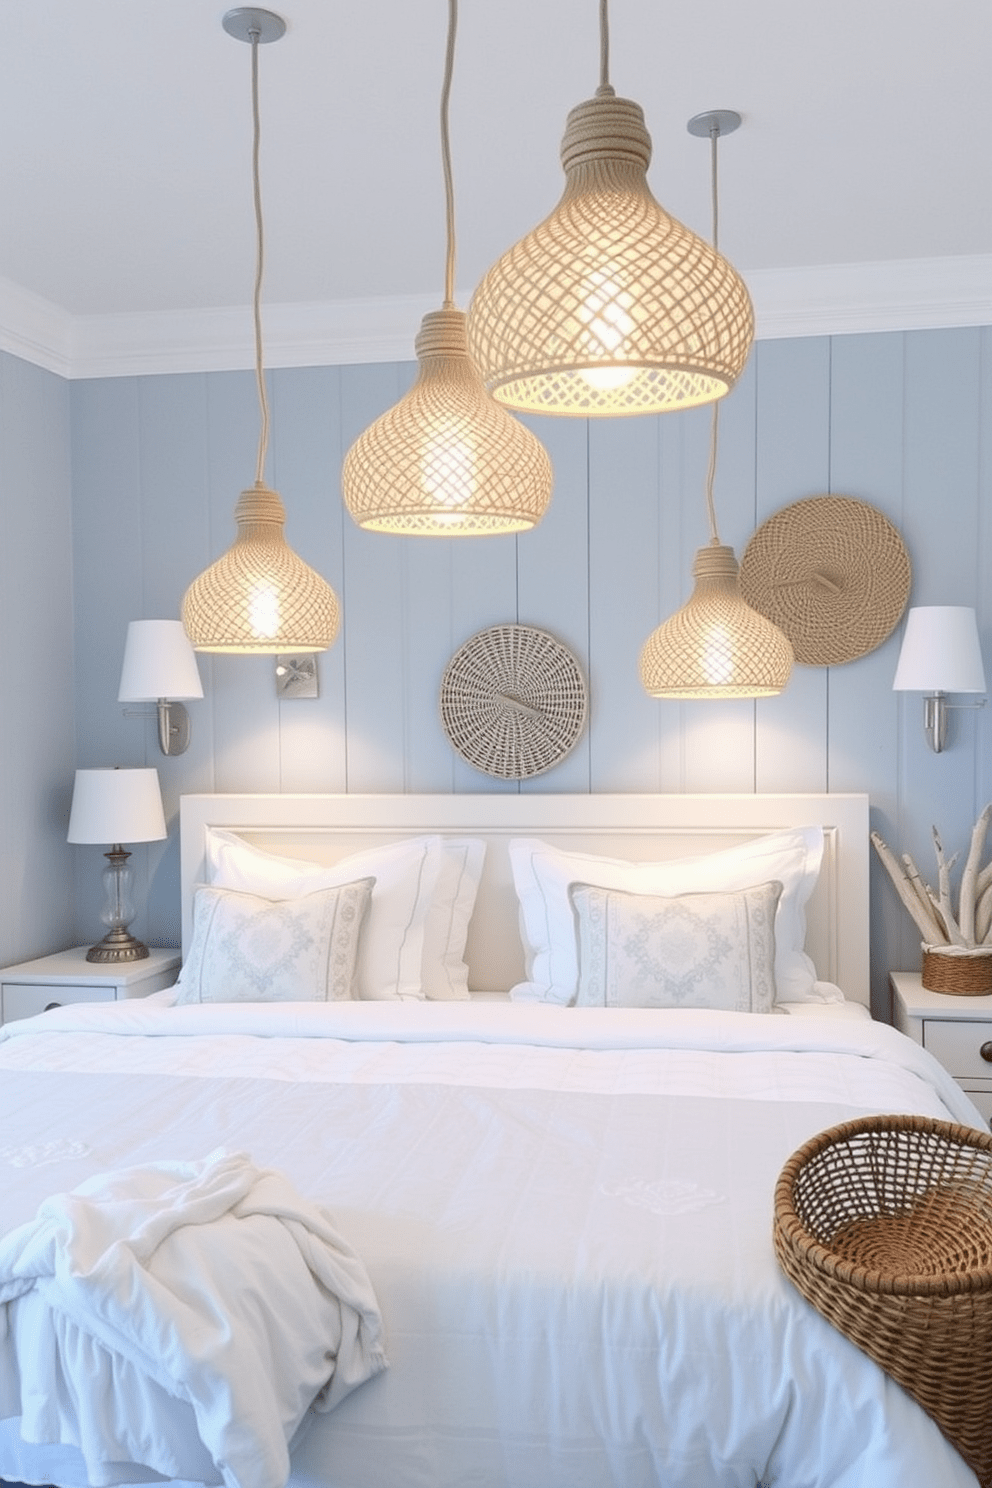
(563,1196)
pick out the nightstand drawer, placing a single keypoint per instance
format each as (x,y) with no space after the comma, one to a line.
(958,1044)
(25,1001)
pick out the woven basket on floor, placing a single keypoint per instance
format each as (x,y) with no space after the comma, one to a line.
(885,1226)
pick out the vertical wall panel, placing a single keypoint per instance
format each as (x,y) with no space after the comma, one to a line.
(553,577)
(377,570)
(306,464)
(37,743)
(793,461)
(866,460)
(627,514)
(719,738)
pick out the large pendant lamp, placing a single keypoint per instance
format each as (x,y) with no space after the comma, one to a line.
(716,646)
(610,306)
(259,597)
(447,460)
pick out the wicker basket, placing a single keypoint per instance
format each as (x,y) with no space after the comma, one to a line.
(967,975)
(885,1226)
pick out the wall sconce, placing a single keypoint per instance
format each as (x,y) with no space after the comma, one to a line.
(160,666)
(940,654)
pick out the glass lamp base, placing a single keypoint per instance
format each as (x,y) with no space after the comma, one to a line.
(118,944)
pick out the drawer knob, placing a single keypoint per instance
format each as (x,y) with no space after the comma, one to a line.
(986,1052)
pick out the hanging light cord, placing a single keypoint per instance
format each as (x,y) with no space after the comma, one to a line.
(263,402)
(604,48)
(449,188)
(715,410)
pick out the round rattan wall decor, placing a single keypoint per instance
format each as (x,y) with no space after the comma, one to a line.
(513,701)
(833,573)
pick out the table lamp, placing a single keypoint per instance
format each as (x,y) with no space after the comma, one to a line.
(117,806)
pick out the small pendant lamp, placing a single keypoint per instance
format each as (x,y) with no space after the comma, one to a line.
(447,460)
(259,597)
(716,646)
(609,306)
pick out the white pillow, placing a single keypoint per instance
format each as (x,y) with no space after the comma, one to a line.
(249,949)
(543,875)
(444,974)
(414,940)
(684,951)
(405,873)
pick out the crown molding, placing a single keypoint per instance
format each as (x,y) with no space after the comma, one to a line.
(827,300)
(910,294)
(34,329)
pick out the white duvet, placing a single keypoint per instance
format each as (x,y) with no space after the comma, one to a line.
(565,1215)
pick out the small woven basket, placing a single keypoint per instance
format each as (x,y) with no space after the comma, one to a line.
(885,1225)
(967,975)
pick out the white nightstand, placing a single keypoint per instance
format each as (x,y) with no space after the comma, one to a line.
(956,1030)
(67,976)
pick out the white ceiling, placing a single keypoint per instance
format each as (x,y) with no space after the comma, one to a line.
(125,137)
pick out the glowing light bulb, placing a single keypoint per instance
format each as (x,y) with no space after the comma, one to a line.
(448,471)
(263,612)
(604,315)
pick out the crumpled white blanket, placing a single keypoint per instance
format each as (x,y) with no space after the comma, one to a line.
(213,1284)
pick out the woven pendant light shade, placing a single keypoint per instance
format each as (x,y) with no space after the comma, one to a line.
(716,646)
(447,460)
(610,306)
(260,597)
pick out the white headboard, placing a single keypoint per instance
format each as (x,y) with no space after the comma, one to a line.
(325,828)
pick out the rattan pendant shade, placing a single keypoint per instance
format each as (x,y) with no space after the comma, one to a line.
(610,306)
(447,460)
(716,646)
(260,597)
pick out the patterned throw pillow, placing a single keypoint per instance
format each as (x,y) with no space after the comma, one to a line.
(692,950)
(248,949)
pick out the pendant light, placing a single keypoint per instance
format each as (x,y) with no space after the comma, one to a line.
(259,597)
(716,646)
(447,460)
(610,306)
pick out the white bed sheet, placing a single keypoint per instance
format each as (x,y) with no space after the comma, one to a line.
(565,1213)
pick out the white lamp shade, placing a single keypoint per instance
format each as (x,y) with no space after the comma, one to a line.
(116,806)
(159,662)
(940,651)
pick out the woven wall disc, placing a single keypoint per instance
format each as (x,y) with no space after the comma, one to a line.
(833,573)
(513,701)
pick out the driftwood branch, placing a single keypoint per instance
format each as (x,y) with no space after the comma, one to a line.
(967,927)
(983,917)
(922,914)
(968,896)
(927,899)
(944,866)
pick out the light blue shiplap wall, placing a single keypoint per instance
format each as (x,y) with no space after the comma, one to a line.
(37,700)
(903,421)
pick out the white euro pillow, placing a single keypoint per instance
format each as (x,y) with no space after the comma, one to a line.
(392,941)
(543,876)
(413,940)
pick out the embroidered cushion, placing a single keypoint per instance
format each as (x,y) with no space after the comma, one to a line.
(691,950)
(248,949)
